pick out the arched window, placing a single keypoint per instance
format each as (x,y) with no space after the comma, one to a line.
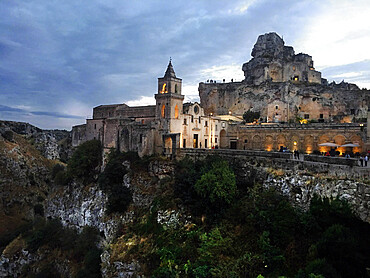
(163,111)
(176,112)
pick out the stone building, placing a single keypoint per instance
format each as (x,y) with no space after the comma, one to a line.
(282,86)
(162,128)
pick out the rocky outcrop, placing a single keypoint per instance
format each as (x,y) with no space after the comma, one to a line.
(281,102)
(24,179)
(53,144)
(273,61)
(282,85)
(301,188)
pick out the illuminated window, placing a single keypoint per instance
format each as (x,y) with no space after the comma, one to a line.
(163,91)
(293,67)
(176,112)
(163,110)
(296,78)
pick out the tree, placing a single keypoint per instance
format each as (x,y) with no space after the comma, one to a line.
(85,161)
(250,116)
(218,184)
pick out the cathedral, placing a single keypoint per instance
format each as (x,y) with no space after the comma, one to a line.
(299,110)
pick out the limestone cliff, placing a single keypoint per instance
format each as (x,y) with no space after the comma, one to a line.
(282,85)
(53,144)
(25,182)
(284,101)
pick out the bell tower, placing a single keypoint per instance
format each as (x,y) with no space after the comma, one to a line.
(169,101)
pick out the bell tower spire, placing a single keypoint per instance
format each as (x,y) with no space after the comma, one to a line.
(170,72)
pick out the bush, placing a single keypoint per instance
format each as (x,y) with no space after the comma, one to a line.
(250,116)
(62,178)
(85,161)
(218,184)
(38,209)
(111,182)
(56,169)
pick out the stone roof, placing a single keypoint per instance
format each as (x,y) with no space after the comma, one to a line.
(170,72)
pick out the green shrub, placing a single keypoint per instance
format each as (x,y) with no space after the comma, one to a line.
(111,182)
(38,209)
(62,178)
(56,169)
(250,116)
(85,161)
(218,184)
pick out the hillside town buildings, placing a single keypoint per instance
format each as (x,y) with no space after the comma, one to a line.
(299,110)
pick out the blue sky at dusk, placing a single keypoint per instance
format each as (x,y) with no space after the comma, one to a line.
(59,59)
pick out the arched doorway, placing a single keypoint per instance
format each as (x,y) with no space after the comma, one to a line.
(308,144)
(269,143)
(281,141)
(340,140)
(323,139)
(168,145)
(257,142)
(223,139)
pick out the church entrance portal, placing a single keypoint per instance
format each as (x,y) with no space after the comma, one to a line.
(195,141)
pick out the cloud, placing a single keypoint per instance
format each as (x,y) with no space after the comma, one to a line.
(143,100)
(4,108)
(63,58)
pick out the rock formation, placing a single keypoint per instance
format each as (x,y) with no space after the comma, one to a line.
(283,86)
(274,61)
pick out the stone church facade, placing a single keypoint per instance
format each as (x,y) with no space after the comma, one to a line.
(163,128)
(280,85)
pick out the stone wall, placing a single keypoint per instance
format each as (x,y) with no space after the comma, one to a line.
(305,138)
(285,161)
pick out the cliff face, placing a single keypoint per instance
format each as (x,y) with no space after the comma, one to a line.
(282,85)
(25,183)
(53,144)
(284,101)
(273,61)
(24,179)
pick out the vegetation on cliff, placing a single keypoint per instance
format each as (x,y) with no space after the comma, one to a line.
(252,232)
(204,219)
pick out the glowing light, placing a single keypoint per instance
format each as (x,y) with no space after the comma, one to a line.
(164,89)
(295,143)
(229,112)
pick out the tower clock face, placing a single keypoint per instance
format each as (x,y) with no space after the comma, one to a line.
(196,109)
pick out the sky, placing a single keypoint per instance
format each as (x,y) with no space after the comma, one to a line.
(59,59)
